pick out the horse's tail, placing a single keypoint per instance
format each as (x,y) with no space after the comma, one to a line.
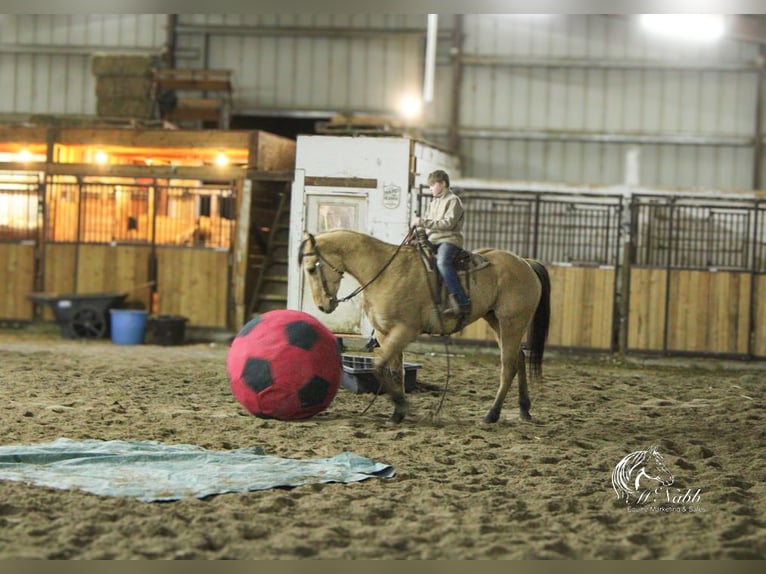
(538,329)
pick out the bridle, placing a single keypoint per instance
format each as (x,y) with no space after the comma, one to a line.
(322,260)
(318,266)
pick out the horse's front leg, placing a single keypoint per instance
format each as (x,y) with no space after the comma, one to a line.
(389,368)
(391,375)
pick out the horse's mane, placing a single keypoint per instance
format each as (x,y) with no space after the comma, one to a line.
(356,236)
(623,472)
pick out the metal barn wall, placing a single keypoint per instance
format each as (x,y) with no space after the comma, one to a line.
(564,97)
(45,58)
(557,98)
(311,62)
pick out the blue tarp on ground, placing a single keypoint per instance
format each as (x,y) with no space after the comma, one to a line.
(154,471)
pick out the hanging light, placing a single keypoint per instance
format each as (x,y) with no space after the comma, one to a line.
(410,107)
(101,157)
(705,27)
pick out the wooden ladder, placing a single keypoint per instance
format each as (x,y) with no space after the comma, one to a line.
(270,290)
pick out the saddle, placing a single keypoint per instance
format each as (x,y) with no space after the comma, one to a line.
(465,262)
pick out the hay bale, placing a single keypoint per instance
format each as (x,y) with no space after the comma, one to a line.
(124,108)
(115,87)
(121,65)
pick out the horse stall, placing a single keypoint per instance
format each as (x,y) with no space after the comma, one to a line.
(698,275)
(370,184)
(163,216)
(649,272)
(576,233)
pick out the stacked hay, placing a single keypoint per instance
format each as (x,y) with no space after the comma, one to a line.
(123,85)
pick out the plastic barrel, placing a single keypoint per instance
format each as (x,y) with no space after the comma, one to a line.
(128,326)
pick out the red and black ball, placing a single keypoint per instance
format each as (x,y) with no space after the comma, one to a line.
(285,365)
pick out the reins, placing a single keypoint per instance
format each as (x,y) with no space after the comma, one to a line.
(359,289)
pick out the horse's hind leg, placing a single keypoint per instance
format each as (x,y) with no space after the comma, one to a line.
(511,358)
(524,402)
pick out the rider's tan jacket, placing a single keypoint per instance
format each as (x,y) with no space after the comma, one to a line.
(444,219)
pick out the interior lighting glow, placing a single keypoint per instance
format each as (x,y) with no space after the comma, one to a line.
(24,156)
(410,107)
(221,160)
(703,27)
(101,157)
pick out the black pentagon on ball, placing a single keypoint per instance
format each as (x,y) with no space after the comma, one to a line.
(249,326)
(257,374)
(301,334)
(314,392)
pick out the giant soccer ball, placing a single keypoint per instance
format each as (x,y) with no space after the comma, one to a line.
(284,365)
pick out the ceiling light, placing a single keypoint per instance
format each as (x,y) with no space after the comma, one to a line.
(686,26)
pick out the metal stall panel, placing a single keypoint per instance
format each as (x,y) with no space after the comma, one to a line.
(694,283)
(166,246)
(577,237)
(19,229)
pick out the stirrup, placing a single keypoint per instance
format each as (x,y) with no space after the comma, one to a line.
(457,310)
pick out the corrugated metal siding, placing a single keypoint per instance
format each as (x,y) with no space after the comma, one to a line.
(47,57)
(562,98)
(312,62)
(558,98)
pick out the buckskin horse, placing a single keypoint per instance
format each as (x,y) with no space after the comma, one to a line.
(511,293)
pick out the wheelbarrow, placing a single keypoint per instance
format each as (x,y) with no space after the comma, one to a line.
(81,316)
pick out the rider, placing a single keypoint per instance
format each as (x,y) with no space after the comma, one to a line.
(443,223)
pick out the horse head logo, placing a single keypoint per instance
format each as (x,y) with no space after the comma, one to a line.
(640,465)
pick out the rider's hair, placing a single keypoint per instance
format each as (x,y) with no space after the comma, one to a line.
(437,176)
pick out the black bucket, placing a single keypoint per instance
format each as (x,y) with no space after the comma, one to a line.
(169,329)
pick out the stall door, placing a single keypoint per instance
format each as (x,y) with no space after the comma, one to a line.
(324,212)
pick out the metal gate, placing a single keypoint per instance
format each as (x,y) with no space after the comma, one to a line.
(697,276)
(20,208)
(578,238)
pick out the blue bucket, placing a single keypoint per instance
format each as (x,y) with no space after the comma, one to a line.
(127,326)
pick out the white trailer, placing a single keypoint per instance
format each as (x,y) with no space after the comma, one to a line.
(366,183)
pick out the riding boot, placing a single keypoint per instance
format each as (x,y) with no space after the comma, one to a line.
(455,310)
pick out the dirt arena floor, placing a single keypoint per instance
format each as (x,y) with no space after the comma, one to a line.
(462,490)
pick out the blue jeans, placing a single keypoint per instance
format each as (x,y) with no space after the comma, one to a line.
(445,256)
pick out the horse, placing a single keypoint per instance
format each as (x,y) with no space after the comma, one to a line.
(632,469)
(511,293)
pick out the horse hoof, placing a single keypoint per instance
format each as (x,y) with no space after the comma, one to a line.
(524,414)
(491,417)
(396,418)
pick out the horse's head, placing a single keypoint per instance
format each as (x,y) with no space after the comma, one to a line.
(655,468)
(322,275)
(638,466)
